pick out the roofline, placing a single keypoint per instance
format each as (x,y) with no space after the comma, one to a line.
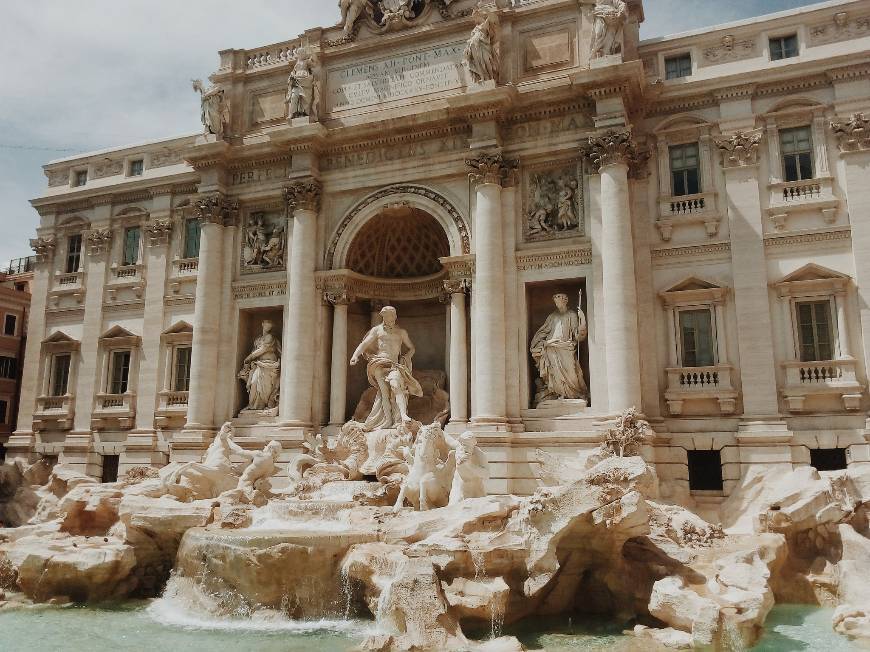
(109,150)
(750,21)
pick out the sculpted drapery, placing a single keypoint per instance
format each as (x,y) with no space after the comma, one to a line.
(554,349)
(262,371)
(607,30)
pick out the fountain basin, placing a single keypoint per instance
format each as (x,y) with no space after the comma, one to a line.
(296,572)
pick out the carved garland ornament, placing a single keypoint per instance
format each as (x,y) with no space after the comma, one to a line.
(158,232)
(492,168)
(303,195)
(216,209)
(854,134)
(99,241)
(458,221)
(615,148)
(740,149)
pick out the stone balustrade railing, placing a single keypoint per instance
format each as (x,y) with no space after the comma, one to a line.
(805,380)
(700,383)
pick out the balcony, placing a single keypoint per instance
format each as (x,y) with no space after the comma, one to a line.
(185,266)
(172,408)
(688,209)
(789,197)
(118,410)
(54,412)
(817,380)
(695,384)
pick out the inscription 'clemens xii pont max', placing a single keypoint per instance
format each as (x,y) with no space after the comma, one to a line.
(434,69)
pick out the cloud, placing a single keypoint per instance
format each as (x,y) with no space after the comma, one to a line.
(104,73)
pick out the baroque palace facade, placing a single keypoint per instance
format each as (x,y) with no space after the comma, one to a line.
(698,204)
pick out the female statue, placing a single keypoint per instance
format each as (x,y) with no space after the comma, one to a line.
(482,49)
(262,370)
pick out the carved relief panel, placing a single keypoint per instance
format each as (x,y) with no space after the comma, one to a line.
(264,242)
(553,204)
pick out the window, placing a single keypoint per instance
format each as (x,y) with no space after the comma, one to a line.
(783,47)
(181,376)
(8,367)
(60,374)
(191,238)
(4,409)
(110,468)
(680,66)
(120,372)
(705,471)
(2,454)
(21,287)
(829,459)
(137,167)
(73,253)
(814,330)
(696,338)
(797,153)
(685,168)
(80,178)
(131,246)
(9,325)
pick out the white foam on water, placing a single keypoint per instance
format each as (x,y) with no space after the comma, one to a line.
(168,612)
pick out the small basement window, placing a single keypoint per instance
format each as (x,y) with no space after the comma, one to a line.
(829,459)
(705,471)
(110,468)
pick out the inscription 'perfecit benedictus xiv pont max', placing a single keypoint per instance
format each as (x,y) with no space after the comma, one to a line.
(587,239)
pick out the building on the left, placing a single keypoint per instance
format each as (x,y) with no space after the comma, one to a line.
(15,282)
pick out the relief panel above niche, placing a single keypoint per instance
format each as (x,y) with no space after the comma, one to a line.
(264,242)
(548,48)
(553,205)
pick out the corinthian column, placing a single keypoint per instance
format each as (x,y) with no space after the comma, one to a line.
(611,155)
(297,363)
(455,291)
(213,212)
(338,369)
(489,172)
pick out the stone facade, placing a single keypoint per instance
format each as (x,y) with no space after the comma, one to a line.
(14,311)
(700,199)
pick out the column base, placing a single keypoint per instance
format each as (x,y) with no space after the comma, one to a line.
(490,424)
(457,427)
(763,430)
(291,434)
(194,437)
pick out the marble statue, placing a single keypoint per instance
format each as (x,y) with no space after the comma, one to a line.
(215,108)
(389,370)
(610,16)
(567,206)
(554,349)
(328,462)
(208,478)
(553,205)
(351,10)
(303,87)
(262,370)
(472,470)
(428,483)
(254,484)
(482,50)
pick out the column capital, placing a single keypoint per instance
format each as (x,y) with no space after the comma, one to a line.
(456,285)
(304,194)
(853,135)
(615,148)
(44,248)
(492,168)
(99,241)
(158,232)
(216,209)
(740,149)
(338,297)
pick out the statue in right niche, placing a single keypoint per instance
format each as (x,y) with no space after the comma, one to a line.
(555,351)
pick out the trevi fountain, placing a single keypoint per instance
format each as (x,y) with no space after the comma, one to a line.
(614,447)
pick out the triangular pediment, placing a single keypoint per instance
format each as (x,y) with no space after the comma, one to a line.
(179,328)
(59,337)
(116,332)
(813,272)
(693,283)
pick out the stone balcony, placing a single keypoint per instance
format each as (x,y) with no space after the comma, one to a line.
(688,209)
(54,412)
(67,285)
(117,410)
(788,197)
(172,408)
(828,378)
(698,384)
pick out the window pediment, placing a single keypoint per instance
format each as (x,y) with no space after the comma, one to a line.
(812,279)
(119,337)
(179,333)
(60,342)
(693,290)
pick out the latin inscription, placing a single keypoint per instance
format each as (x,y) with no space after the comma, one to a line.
(259,175)
(259,291)
(544,128)
(393,153)
(432,70)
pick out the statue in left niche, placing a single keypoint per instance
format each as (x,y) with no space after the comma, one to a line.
(303,86)
(262,371)
(482,52)
(215,108)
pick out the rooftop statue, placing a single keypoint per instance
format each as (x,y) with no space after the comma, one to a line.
(607,30)
(303,87)
(482,54)
(215,108)
(389,370)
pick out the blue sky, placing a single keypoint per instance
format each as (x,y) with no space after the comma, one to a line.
(113,73)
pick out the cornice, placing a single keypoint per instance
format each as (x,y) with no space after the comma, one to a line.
(809,238)
(691,250)
(533,260)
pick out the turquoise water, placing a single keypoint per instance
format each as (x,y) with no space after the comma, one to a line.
(151,626)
